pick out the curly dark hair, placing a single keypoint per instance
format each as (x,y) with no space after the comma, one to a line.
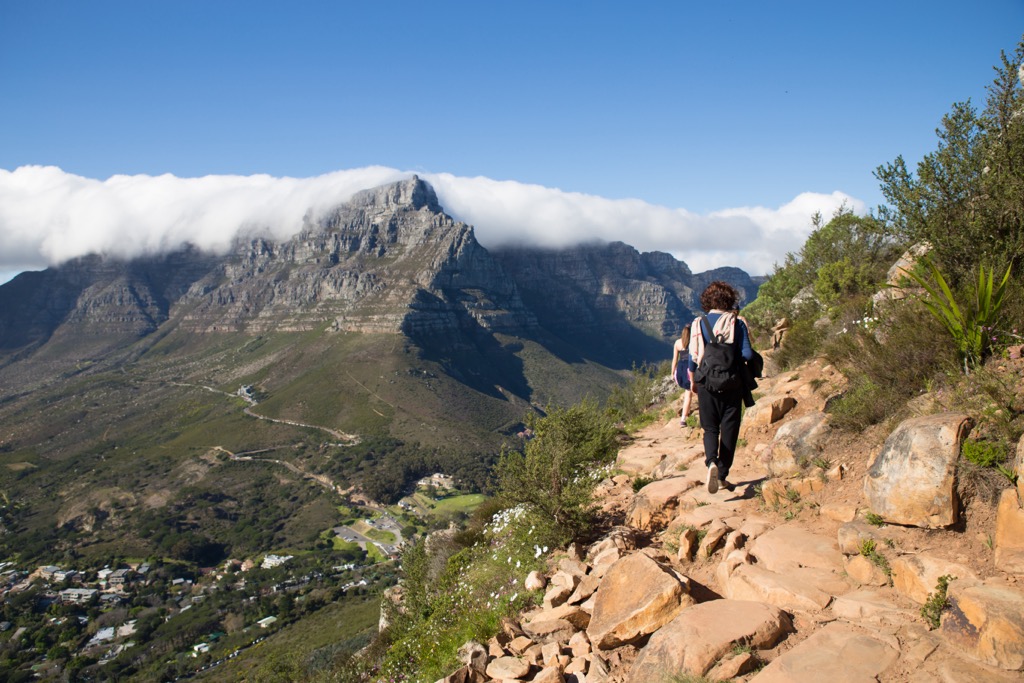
(719,296)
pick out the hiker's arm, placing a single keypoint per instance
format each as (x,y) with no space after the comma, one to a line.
(747,351)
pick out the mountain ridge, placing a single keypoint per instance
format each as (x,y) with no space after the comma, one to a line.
(389,260)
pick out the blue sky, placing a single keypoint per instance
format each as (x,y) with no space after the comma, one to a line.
(711,111)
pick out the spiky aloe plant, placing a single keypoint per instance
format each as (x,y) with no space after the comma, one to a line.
(969,325)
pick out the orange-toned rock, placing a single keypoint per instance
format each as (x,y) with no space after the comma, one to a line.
(865,572)
(702,634)
(637,597)
(1019,468)
(655,504)
(790,546)
(796,443)
(791,590)
(550,674)
(504,668)
(917,575)
(912,480)
(1009,536)
(986,623)
(837,652)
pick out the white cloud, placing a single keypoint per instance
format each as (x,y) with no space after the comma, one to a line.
(48,216)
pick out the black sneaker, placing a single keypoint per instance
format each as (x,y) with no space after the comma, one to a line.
(727,485)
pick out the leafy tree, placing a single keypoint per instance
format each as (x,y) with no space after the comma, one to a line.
(849,255)
(967,197)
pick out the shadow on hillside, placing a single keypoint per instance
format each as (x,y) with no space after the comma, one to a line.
(622,349)
(474,357)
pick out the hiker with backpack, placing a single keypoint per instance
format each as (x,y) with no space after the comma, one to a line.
(719,349)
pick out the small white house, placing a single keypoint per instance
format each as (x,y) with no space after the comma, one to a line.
(271,561)
(266,621)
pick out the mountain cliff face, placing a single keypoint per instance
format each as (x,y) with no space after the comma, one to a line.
(613,293)
(390,260)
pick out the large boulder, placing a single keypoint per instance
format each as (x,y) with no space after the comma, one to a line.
(1019,469)
(912,480)
(986,623)
(796,443)
(636,598)
(702,634)
(1009,537)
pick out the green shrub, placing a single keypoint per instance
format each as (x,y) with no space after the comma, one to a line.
(869,549)
(684,678)
(969,323)
(630,402)
(937,602)
(847,256)
(802,341)
(889,358)
(554,476)
(641,482)
(990,396)
(983,453)
(449,598)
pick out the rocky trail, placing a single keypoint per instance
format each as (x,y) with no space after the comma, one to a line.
(816,568)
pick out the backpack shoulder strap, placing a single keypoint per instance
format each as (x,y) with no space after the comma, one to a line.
(705,328)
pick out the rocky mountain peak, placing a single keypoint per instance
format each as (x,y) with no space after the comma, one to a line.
(413,193)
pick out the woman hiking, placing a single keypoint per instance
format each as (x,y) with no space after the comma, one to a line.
(720,408)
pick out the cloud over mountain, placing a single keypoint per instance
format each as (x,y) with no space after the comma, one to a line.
(48,216)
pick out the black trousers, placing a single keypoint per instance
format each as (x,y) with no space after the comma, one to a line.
(720,420)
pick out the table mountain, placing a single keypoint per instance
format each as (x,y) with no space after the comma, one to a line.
(389,260)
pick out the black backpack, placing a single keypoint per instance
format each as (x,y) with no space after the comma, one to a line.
(719,369)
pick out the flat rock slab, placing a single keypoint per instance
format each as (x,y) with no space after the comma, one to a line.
(703,634)
(641,457)
(791,590)
(838,652)
(986,623)
(875,605)
(689,459)
(700,517)
(788,547)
